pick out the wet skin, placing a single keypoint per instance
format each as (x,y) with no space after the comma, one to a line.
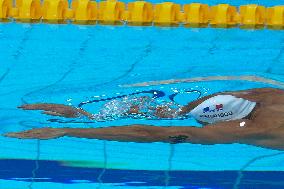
(264,127)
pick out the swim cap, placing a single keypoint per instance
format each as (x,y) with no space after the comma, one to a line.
(222,108)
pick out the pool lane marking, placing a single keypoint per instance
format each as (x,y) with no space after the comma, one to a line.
(19,51)
(276,60)
(4,75)
(71,67)
(144,54)
(240,172)
(170,162)
(36,168)
(99,178)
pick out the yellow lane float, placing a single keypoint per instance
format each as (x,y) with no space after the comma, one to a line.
(275,17)
(54,10)
(223,15)
(85,11)
(27,10)
(111,12)
(5,9)
(142,13)
(196,14)
(167,14)
(252,16)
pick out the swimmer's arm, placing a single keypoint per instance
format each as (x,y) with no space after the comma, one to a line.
(58,110)
(220,133)
(225,132)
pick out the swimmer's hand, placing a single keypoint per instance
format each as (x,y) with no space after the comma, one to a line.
(56,110)
(43,133)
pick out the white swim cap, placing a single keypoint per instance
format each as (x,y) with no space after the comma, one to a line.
(222,108)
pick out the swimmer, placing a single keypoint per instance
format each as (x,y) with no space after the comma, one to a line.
(253,117)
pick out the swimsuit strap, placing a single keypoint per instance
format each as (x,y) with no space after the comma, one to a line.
(155,93)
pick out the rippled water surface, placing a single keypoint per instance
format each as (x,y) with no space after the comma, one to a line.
(72,64)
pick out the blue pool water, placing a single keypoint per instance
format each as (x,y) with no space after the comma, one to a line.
(70,64)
